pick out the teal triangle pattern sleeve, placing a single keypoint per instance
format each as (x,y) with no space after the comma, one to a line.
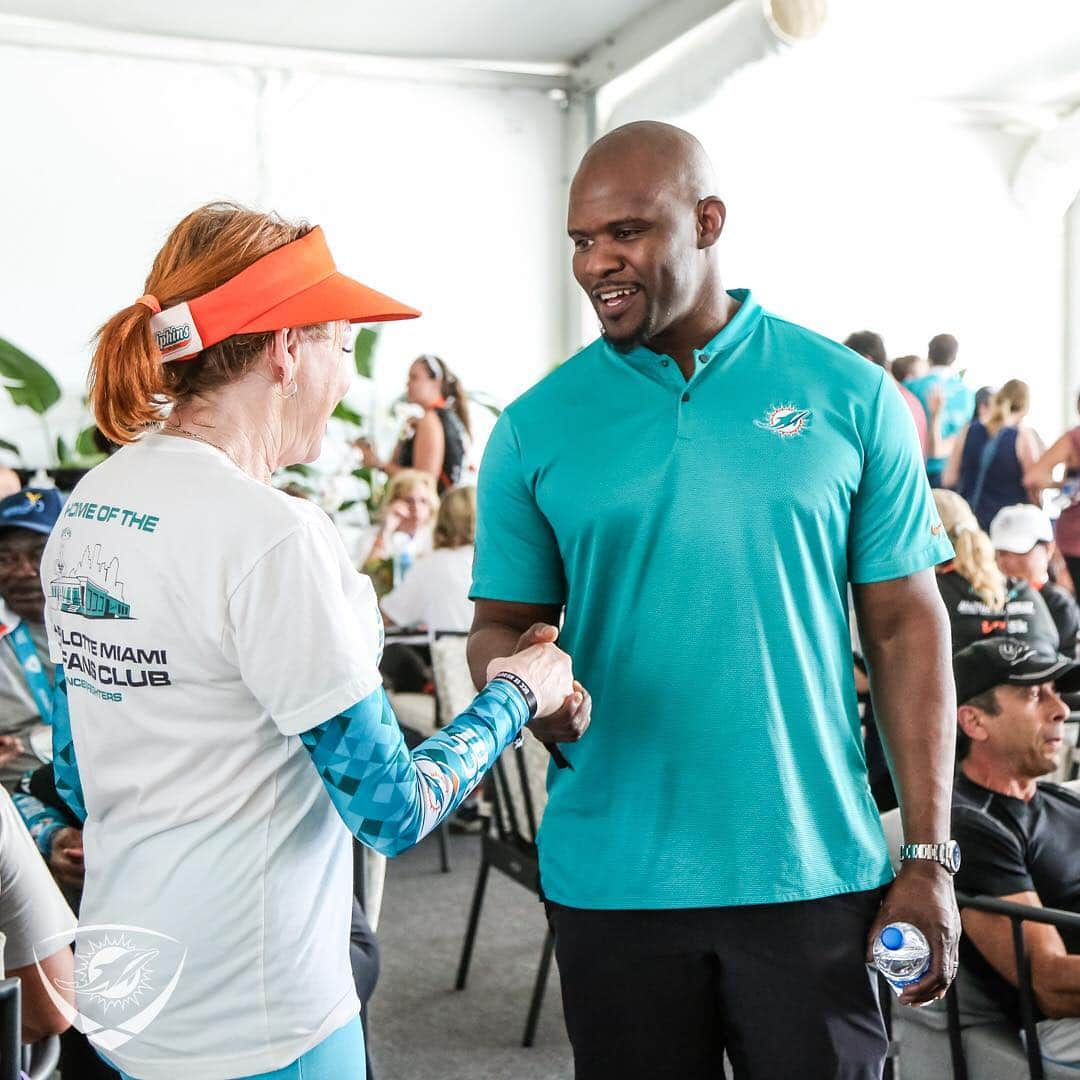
(391,797)
(65,765)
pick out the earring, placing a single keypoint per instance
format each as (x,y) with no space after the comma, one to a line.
(291,393)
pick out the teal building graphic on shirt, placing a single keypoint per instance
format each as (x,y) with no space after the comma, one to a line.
(91,589)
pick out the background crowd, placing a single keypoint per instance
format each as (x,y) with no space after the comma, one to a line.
(1008,499)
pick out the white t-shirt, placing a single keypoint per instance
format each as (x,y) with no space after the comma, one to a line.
(435,591)
(18,711)
(32,908)
(204,620)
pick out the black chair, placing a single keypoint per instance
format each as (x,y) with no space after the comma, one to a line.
(414,737)
(1017,914)
(10,1029)
(510,847)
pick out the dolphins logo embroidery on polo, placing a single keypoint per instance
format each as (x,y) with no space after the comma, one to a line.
(785,421)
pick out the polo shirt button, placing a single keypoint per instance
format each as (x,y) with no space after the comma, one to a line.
(705,359)
(686,397)
(664,363)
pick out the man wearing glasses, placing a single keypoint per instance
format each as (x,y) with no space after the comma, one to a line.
(26,675)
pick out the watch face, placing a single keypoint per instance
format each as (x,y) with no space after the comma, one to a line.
(954,856)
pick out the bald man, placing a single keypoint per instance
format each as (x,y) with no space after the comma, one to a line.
(693,493)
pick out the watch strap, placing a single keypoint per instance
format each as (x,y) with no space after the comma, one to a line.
(519,684)
(940,853)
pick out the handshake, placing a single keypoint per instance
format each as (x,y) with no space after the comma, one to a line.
(563,705)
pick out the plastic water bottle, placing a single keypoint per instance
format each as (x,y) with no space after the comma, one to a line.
(1068,494)
(902,955)
(403,560)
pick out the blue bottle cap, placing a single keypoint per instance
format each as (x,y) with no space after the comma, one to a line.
(892,938)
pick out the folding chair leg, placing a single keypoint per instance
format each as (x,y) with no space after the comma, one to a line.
(444,847)
(474,920)
(538,989)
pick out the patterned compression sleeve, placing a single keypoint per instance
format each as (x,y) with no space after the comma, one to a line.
(43,822)
(391,798)
(65,767)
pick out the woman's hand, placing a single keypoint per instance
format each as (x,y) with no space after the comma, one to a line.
(11,746)
(546,671)
(568,723)
(367,454)
(66,857)
(398,513)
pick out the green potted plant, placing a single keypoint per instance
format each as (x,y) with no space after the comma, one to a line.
(30,385)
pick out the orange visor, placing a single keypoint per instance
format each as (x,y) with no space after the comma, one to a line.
(296,285)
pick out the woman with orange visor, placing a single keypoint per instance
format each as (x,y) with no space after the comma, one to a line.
(219,722)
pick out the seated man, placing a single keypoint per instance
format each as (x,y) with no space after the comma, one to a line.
(1023,539)
(26,676)
(1020,839)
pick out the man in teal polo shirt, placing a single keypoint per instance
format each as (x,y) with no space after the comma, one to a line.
(695,491)
(957,400)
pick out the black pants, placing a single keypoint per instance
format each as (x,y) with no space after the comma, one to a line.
(783,988)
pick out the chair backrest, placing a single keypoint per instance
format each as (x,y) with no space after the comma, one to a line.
(454,688)
(893,828)
(518,786)
(41,1060)
(519,790)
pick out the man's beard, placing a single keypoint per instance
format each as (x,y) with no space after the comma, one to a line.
(642,334)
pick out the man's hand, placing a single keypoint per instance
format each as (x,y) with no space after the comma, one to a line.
(923,895)
(568,724)
(11,746)
(66,857)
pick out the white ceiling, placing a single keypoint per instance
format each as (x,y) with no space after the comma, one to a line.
(1024,53)
(524,31)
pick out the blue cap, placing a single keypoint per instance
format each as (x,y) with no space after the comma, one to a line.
(892,937)
(35,509)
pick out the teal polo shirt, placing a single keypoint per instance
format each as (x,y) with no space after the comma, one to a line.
(702,535)
(957,407)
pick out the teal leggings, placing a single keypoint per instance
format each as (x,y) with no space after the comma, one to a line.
(338,1057)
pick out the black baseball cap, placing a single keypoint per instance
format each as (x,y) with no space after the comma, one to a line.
(1001,661)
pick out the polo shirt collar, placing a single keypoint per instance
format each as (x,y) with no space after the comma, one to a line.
(734,331)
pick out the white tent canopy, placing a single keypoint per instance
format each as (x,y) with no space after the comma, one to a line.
(436,145)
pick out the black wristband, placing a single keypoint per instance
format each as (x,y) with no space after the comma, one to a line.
(520,684)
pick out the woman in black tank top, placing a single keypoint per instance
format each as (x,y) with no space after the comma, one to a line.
(435,443)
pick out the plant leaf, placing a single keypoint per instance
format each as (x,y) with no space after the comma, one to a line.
(350,416)
(26,380)
(63,453)
(303,470)
(85,445)
(485,402)
(364,351)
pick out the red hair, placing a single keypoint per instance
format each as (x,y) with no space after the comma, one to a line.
(130,387)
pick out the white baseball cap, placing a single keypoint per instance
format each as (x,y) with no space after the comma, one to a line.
(1019,528)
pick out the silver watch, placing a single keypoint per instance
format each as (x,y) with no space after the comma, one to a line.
(946,854)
